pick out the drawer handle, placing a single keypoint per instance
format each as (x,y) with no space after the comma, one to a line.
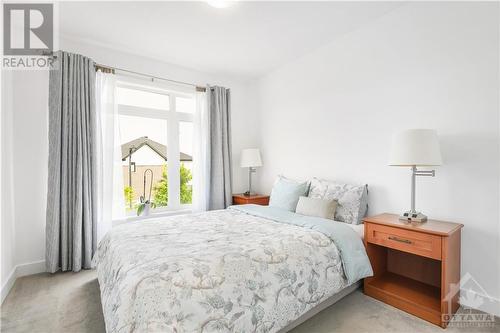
(407,241)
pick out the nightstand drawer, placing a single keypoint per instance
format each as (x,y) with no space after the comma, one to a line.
(404,240)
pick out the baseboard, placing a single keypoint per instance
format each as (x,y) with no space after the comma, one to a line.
(19,271)
(7,286)
(480,301)
(30,268)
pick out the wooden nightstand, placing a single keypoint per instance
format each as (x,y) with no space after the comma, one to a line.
(241,199)
(415,266)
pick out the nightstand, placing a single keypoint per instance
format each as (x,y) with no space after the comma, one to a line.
(241,199)
(416,266)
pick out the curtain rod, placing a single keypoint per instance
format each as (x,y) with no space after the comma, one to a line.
(111,70)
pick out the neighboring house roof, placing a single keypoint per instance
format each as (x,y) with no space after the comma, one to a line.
(131,147)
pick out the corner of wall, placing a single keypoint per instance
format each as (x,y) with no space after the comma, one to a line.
(7,286)
(20,271)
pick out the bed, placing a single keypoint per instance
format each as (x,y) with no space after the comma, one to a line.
(248,268)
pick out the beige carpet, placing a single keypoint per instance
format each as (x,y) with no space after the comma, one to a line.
(68,302)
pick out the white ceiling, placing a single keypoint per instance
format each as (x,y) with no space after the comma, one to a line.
(247,39)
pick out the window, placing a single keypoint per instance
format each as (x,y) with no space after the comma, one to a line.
(156,138)
(186,169)
(184,104)
(142,98)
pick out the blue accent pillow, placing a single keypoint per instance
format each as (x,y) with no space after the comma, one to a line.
(286,193)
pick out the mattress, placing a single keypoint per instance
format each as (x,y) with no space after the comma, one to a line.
(218,271)
(359,228)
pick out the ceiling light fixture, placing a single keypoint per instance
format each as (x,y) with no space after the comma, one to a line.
(220,3)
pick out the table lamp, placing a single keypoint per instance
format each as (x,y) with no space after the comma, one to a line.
(413,148)
(250,158)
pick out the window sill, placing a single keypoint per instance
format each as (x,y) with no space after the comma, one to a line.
(153,215)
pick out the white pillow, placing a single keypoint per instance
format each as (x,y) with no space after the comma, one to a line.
(352,199)
(316,207)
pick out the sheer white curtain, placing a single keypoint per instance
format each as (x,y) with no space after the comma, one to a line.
(111,203)
(201,155)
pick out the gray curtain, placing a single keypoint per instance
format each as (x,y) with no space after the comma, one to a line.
(219,120)
(71,203)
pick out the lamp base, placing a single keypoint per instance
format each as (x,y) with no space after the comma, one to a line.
(410,216)
(248,193)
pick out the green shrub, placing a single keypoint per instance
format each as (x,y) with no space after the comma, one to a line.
(128,191)
(161,187)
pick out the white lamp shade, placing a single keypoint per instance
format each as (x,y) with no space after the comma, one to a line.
(250,158)
(419,147)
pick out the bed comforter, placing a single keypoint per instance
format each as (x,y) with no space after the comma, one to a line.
(246,269)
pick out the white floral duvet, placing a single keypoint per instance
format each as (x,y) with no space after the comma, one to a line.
(219,271)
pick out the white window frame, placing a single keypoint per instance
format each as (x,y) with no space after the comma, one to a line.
(173,122)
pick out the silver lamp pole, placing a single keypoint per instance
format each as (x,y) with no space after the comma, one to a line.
(412,214)
(250,171)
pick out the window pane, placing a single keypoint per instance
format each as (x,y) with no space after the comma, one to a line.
(186,153)
(133,97)
(185,104)
(143,145)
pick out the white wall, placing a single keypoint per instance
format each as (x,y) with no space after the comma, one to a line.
(332,113)
(30,150)
(25,148)
(6,187)
(24,174)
